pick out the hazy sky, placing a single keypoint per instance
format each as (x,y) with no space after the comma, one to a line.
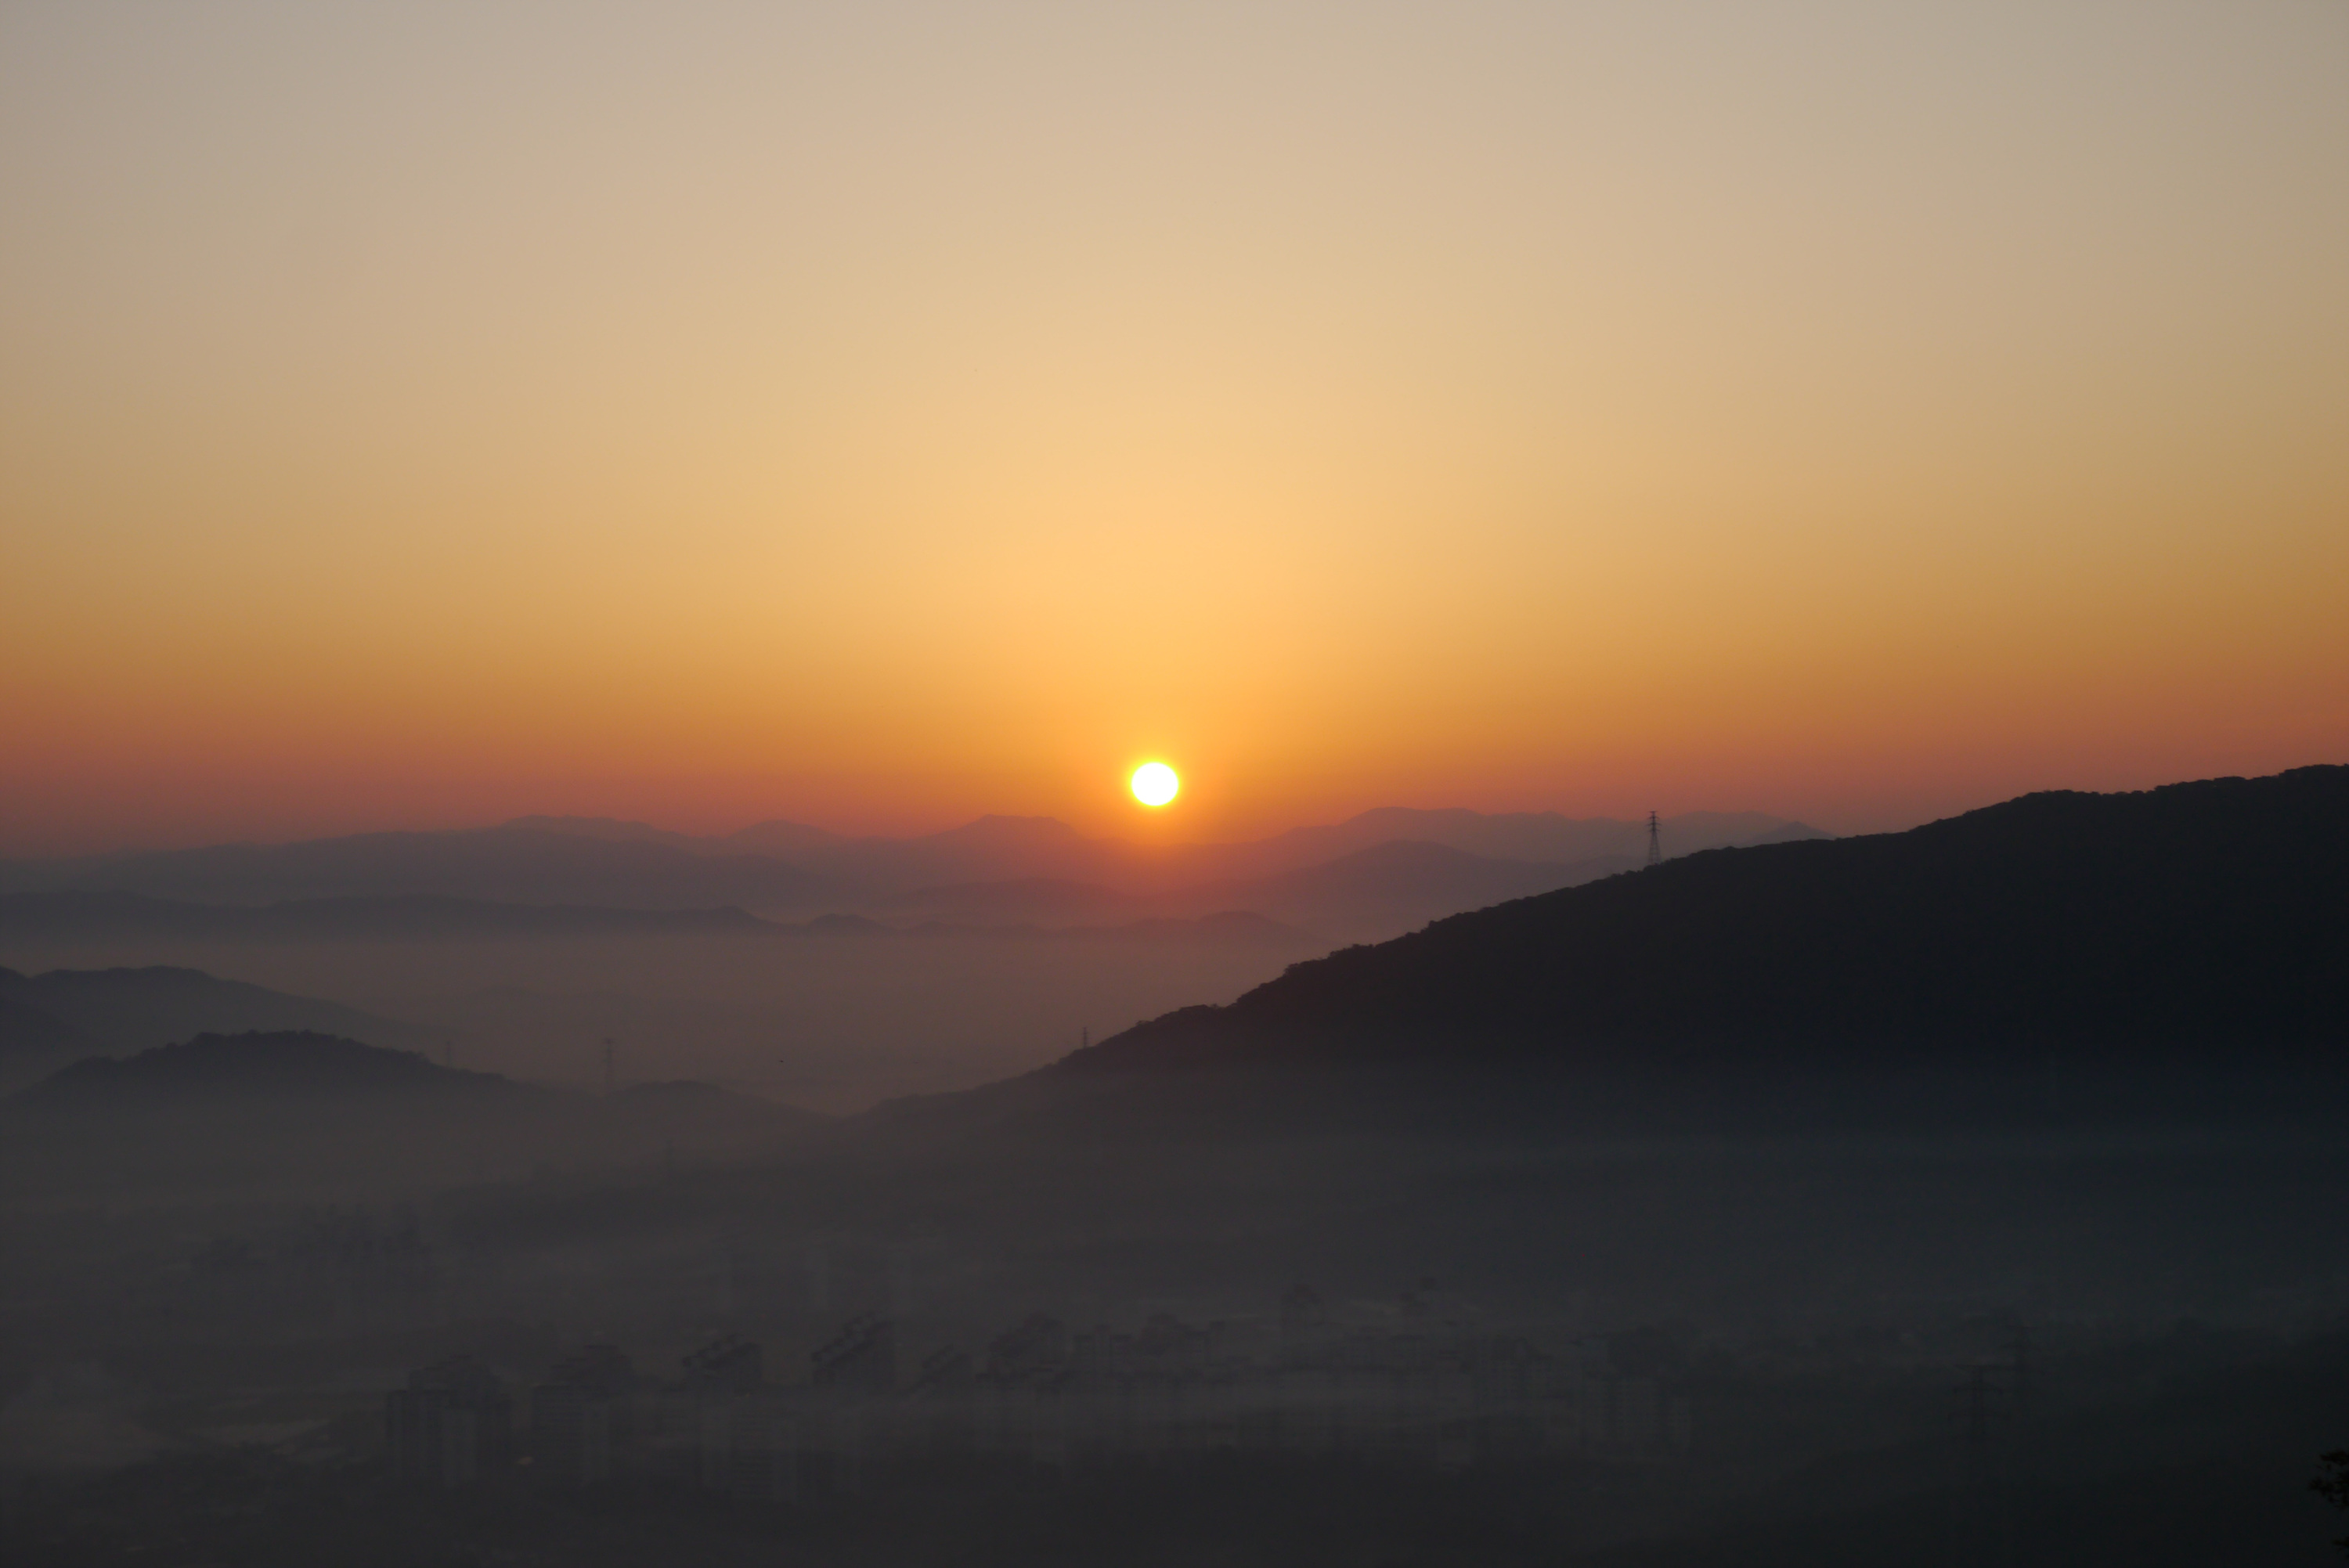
(877,414)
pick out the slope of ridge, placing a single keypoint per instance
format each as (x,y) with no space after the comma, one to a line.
(77,915)
(1384,886)
(26,1031)
(1540,838)
(508,864)
(570,865)
(1388,888)
(2214,912)
(133,1009)
(296,1063)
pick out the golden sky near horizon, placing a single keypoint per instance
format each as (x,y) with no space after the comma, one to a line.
(879,414)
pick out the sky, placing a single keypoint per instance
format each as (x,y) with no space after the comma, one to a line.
(879,414)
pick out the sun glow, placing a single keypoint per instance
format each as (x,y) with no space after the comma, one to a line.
(1155,783)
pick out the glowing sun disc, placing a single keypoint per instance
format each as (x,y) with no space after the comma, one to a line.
(1155,783)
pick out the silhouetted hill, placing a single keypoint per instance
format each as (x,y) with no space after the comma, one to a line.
(779,839)
(1791,834)
(990,850)
(614,829)
(135,1009)
(509,864)
(2214,914)
(1389,887)
(995,867)
(77,916)
(1411,872)
(1544,838)
(25,1031)
(257,1066)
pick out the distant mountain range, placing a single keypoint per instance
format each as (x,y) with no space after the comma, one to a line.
(76,916)
(2204,922)
(1376,874)
(2213,915)
(999,848)
(1538,838)
(512,864)
(1390,886)
(123,917)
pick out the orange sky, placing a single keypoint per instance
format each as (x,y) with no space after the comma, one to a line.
(876,415)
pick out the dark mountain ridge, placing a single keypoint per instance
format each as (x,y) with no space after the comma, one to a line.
(1538,838)
(291,1064)
(2214,914)
(27,1032)
(72,914)
(134,1009)
(1390,884)
(1402,868)
(131,918)
(514,864)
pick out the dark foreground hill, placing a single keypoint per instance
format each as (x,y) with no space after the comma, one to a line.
(2211,915)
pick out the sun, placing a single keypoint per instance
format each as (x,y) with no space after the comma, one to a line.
(1155,783)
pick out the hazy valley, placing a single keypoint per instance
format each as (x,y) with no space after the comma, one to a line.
(1667,1217)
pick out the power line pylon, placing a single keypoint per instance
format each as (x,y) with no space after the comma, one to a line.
(1655,842)
(1981,1525)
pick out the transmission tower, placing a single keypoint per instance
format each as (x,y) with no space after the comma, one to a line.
(1980,1523)
(1655,841)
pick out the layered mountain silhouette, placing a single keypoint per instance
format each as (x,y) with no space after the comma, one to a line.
(79,1011)
(27,1032)
(1540,837)
(2213,915)
(1390,885)
(994,869)
(514,864)
(120,918)
(1393,886)
(259,1065)
(779,839)
(75,915)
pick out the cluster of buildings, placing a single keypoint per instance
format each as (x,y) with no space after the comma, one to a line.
(1415,1389)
